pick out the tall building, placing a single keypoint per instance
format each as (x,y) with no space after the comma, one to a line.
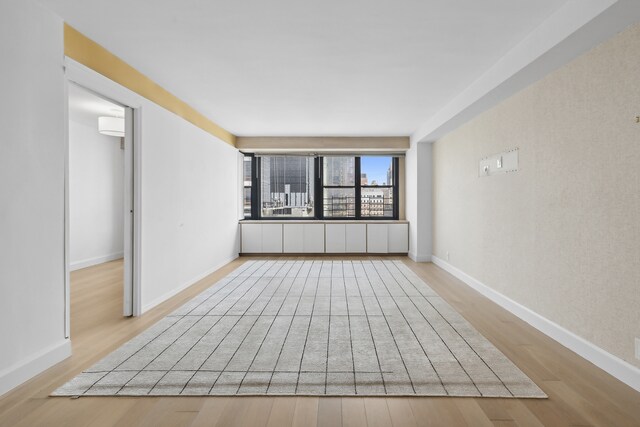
(287,186)
(339,171)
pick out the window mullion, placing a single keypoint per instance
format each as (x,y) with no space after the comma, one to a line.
(396,191)
(358,188)
(318,190)
(255,191)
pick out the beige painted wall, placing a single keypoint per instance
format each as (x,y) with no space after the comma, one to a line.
(304,143)
(562,235)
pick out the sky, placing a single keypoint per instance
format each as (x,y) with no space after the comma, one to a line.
(375,167)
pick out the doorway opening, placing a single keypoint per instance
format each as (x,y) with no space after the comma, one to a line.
(99,206)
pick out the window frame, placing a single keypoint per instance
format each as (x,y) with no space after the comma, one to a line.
(258,202)
(322,187)
(395,165)
(319,187)
(254,186)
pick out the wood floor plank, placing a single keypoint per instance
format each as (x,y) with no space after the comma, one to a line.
(211,411)
(232,414)
(523,416)
(377,412)
(496,409)
(472,413)
(594,415)
(139,411)
(112,410)
(282,412)
(353,412)
(306,412)
(256,412)
(330,412)
(438,412)
(172,412)
(400,412)
(552,412)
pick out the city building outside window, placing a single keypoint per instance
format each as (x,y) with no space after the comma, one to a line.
(377,186)
(248,178)
(287,187)
(339,187)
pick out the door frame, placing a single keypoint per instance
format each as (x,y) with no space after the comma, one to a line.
(78,74)
(128,211)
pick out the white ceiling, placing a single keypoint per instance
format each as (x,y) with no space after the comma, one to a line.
(316,68)
(85,107)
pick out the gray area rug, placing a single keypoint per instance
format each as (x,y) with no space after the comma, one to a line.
(316,327)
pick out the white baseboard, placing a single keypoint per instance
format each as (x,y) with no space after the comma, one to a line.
(609,363)
(17,374)
(77,265)
(163,298)
(419,258)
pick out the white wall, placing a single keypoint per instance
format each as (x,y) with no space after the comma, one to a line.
(32,162)
(189,204)
(418,178)
(96,199)
(188,185)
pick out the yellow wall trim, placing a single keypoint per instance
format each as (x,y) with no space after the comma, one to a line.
(92,55)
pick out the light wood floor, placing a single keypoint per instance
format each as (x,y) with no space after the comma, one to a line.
(579,393)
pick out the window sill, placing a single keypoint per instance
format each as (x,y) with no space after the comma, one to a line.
(323,221)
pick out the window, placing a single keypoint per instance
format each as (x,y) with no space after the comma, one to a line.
(377,176)
(248,178)
(326,187)
(286,186)
(339,187)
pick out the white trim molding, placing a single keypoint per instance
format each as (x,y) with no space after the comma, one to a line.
(609,363)
(15,375)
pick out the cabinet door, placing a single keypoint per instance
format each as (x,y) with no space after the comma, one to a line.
(377,238)
(251,238)
(293,238)
(272,238)
(313,238)
(335,238)
(356,238)
(398,238)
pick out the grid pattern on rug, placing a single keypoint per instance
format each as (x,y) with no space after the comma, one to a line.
(315,327)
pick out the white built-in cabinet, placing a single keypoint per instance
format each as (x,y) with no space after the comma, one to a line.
(293,238)
(251,238)
(356,238)
(398,238)
(272,238)
(377,238)
(325,237)
(261,238)
(335,238)
(303,238)
(313,238)
(350,238)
